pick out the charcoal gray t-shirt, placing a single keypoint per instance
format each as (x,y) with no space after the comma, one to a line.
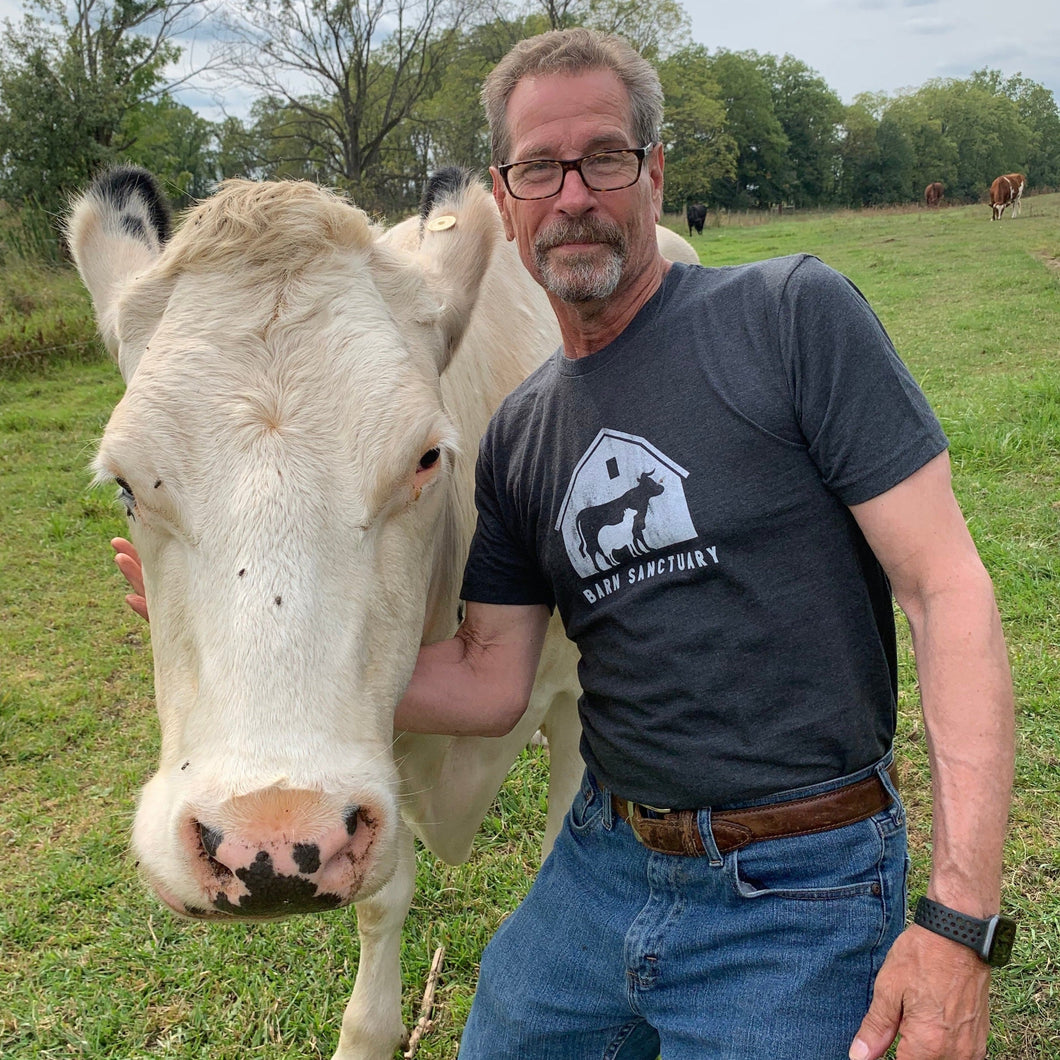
(681,496)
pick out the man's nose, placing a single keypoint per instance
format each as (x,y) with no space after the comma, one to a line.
(574,195)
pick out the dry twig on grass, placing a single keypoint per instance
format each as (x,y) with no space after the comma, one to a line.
(424,1023)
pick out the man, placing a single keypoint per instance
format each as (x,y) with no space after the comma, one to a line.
(718,480)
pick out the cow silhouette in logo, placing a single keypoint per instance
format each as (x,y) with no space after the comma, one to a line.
(594,519)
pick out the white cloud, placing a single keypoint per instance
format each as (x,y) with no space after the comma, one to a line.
(928,25)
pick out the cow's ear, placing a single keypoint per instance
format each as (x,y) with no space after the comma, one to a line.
(115,231)
(107,261)
(459,238)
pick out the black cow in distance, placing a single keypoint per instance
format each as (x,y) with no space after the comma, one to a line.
(696,213)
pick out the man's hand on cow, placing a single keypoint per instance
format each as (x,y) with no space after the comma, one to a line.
(127,560)
(935,994)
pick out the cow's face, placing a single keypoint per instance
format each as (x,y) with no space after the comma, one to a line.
(286,461)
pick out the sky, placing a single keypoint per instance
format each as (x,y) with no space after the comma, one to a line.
(854,45)
(887,45)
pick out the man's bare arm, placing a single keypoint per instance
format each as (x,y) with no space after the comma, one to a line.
(931,989)
(478,683)
(919,535)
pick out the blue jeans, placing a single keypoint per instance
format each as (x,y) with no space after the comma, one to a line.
(621,953)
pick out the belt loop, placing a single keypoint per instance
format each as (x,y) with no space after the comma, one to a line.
(887,772)
(707,834)
(607,812)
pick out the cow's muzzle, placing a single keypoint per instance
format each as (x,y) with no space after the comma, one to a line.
(278,852)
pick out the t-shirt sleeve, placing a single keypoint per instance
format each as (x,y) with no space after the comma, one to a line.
(500,567)
(867,423)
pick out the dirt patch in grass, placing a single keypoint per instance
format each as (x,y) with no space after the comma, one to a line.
(1050,262)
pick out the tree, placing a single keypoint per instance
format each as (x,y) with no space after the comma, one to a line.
(809,113)
(450,125)
(1037,109)
(859,153)
(350,74)
(656,28)
(238,150)
(961,133)
(915,119)
(175,144)
(762,168)
(288,141)
(45,147)
(69,77)
(897,160)
(700,151)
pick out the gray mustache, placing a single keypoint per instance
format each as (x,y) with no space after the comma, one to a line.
(579,232)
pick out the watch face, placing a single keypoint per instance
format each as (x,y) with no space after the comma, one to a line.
(1001,946)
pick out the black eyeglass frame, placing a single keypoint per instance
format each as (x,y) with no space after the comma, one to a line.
(575,165)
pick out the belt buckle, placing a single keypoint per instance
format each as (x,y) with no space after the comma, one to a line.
(633,809)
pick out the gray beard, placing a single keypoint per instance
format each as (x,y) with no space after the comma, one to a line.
(581,279)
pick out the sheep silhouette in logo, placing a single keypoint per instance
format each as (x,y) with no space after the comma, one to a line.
(596,518)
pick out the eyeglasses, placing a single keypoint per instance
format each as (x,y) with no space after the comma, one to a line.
(541,178)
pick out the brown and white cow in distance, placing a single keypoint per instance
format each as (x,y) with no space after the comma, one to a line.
(933,194)
(1006,191)
(295,447)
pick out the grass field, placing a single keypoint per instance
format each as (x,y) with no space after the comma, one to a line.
(90,966)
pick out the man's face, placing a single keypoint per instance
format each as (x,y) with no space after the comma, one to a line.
(580,245)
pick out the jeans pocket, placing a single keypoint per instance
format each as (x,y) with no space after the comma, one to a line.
(840,863)
(587,809)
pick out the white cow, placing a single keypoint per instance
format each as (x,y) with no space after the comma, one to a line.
(295,447)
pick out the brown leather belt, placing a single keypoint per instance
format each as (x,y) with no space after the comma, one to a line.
(677,831)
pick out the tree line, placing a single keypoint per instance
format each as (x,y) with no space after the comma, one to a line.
(369,96)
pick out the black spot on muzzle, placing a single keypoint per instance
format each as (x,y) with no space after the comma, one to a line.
(275,895)
(306,857)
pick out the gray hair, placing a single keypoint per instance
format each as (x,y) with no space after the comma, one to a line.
(573,51)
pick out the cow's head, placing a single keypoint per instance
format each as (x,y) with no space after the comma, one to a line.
(650,487)
(286,461)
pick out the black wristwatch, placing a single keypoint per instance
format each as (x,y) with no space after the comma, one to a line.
(991,938)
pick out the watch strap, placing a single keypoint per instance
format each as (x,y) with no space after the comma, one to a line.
(991,939)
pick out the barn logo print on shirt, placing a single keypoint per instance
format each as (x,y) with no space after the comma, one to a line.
(625,500)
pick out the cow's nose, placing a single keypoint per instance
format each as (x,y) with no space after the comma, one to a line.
(276,853)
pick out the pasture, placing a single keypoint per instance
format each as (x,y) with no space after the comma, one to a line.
(92,967)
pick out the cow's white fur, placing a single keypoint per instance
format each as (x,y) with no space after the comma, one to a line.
(287,363)
(675,247)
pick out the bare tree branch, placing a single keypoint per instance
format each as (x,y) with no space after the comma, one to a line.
(348,72)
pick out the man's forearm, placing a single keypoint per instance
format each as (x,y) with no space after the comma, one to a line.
(478,683)
(966,690)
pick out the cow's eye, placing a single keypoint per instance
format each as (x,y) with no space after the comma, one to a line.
(429,459)
(127,497)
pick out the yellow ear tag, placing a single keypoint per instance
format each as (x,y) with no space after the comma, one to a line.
(440,224)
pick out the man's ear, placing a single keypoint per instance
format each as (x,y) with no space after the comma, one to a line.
(656,165)
(500,197)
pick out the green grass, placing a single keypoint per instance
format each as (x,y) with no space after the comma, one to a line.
(45,315)
(90,966)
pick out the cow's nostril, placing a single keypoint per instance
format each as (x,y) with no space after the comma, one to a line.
(350,818)
(210,839)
